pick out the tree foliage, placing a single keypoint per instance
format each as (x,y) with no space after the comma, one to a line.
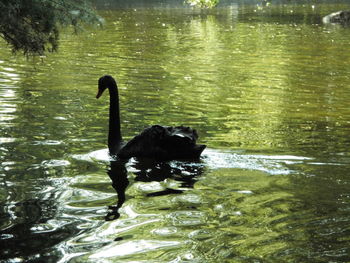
(32,26)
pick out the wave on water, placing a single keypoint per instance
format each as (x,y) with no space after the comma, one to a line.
(218,159)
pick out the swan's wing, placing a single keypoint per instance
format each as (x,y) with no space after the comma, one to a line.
(146,144)
(187,134)
(162,142)
(180,143)
(133,148)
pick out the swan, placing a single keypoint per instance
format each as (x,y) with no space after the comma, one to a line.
(156,142)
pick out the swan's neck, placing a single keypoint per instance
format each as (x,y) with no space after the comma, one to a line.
(114,135)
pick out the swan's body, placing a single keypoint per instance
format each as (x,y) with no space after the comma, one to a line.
(157,142)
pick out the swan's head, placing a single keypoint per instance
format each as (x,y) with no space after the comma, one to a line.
(105,82)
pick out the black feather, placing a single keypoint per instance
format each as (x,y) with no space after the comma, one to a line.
(158,142)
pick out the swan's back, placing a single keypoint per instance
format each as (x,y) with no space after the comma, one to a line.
(164,143)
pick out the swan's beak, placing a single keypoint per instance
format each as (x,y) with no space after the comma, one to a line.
(99,93)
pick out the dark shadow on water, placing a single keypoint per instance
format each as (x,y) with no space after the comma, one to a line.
(147,170)
(119,176)
(22,238)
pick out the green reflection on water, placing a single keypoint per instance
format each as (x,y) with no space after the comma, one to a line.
(249,79)
(256,85)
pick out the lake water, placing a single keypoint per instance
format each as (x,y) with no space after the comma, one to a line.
(266,87)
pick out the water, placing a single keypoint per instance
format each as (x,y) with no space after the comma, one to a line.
(267,89)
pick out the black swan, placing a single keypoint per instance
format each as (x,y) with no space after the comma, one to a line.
(156,142)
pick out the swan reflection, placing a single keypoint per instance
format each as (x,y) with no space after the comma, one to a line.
(147,170)
(119,176)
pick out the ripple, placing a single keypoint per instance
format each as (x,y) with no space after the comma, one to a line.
(201,234)
(251,90)
(165,231)
(7,108)
(98,155)
(150,187)
(47,142)
(216,159)
(132,247)
(7,139)
(187,218)
(55,163)
(224,159)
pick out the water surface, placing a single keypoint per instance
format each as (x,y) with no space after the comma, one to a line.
(266,87)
